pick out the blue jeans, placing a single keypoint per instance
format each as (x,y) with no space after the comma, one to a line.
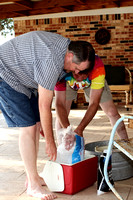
(17,108)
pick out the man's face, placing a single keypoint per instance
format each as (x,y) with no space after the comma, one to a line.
(70,66)
(80,77)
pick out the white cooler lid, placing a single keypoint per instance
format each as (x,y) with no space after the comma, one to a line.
(53,176)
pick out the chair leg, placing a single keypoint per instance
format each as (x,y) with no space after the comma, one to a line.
(127,98)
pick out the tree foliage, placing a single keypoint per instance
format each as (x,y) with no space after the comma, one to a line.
(6,26)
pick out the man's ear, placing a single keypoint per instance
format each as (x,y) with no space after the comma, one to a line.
(70,56)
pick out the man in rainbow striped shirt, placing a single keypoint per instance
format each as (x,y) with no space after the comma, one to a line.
(97,93)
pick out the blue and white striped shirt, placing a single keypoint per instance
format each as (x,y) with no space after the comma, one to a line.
(31,59)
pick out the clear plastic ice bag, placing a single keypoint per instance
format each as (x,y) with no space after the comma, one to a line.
(71,146)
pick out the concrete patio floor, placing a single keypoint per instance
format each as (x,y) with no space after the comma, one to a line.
(12,174)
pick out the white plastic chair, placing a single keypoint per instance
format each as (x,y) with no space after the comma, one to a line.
(126,148)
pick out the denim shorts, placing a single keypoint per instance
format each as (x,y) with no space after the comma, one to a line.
(17,108)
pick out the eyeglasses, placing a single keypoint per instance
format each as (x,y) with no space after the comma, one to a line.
(85,71)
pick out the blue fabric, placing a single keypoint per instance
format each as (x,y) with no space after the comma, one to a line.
(17,108)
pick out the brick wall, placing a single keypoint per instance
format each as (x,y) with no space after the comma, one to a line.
(119,50)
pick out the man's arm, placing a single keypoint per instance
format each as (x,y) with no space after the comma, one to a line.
(61,111)
(45,102)
(95,95)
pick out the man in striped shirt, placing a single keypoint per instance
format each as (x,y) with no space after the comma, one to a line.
(30,66)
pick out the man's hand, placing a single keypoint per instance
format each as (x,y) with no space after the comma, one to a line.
(51,150)
(69,140)
(79,132)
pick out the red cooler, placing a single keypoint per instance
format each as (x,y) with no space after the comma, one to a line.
(79,175)
(70,179)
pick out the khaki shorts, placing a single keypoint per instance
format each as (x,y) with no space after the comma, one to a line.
(72,94)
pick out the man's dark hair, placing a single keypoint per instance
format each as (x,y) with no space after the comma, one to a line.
(82,51)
